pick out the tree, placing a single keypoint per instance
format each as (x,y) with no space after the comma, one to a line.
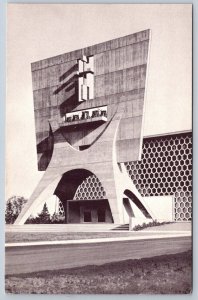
(9,216)
(44,215)
(14,206)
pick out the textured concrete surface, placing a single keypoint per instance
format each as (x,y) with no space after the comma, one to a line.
(100,159)
(120,67)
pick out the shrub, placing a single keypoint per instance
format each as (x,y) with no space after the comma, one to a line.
(150,224)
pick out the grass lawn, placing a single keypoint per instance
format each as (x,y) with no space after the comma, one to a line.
(167,274)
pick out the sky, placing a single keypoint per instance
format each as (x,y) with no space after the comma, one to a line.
(39,31)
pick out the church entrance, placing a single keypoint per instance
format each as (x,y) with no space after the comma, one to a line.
(88,211)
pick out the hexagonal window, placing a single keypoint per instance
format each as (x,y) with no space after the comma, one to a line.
(166,153)
(181,141)
(149,150)
(156,154)
(155,165)
(137,176)
(169,148)
(91,184)
(189,167)
(161,154)
(171,142)
(189,209)
(158,170)
(181,204)
(158,160)
(144,150)
(135,172)
(190,145)
(189,156)
(158,180)
(169,190)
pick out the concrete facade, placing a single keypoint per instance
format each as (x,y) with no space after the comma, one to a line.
(88,107)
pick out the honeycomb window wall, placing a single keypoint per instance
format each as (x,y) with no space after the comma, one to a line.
(90,189)
(61,210)
(165,169)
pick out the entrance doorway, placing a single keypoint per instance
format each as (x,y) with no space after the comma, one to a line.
(101,215)
(87,216)
(89,211)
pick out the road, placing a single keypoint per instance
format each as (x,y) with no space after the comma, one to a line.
(35,258)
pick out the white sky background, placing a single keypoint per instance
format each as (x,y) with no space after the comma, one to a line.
(37,31)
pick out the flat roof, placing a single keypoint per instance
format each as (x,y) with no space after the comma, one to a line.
(167,134)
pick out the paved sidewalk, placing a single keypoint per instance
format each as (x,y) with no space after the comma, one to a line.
(103,240)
